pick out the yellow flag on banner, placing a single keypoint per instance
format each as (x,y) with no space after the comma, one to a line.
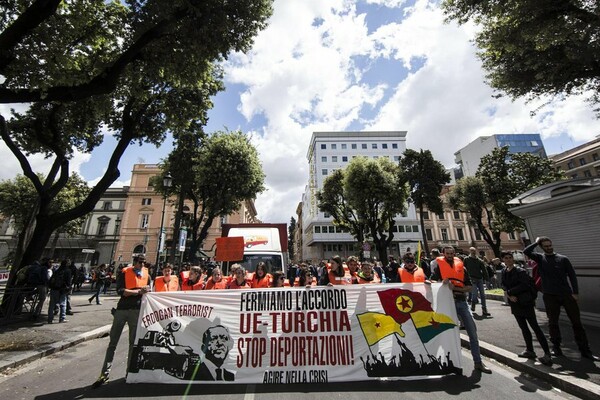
(376,326)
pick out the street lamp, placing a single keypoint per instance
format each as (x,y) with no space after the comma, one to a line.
(167,181)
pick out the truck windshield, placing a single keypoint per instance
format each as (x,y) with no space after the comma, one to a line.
(273,261)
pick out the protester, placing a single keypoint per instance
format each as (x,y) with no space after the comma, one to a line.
(451,270)
(478,274)
(522,293)
(239,281)
(261,278)
(560,288)
(60,284)
(167,282)
(132,284)
(336,275)
(391,270)
(366,274)
(193,280)
(216,281)
(410,272)
(278,279)
(101,276)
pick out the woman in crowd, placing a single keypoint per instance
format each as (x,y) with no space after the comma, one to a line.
(278,279)
(216,281)
(305,277)
(167,282)
(239,281)
(194,280)
(336,274)
(366,274)
(261,278)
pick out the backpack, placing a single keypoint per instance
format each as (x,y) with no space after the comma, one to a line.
(57,281)
(537,279)
(23,275)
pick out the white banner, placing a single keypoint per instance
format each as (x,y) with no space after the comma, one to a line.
(297,335)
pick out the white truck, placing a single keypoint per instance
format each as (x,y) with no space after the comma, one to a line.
(262,242)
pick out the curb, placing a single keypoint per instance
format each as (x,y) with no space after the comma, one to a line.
(572,385)
(52,348)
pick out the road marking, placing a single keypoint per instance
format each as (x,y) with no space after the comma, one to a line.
(250,389)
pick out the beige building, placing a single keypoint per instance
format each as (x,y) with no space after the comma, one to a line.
(580,162)
(141,222)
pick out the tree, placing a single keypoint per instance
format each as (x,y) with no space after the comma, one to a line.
(366,197)
(425,178)
(533,48)
(225,171)
(139,69)
(291,248)
(499,178)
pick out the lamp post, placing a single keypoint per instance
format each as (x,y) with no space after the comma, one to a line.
(167,181)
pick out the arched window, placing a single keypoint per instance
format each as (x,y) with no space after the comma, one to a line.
(139,249)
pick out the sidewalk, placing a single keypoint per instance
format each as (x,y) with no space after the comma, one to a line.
(499,335)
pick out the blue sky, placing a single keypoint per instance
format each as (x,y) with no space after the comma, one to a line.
(354,65)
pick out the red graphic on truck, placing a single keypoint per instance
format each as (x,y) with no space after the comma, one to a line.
(250,241)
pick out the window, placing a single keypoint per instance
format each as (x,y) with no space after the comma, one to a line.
(395,228)
(425,214)
(317,229)
(574,176)
(477,234)
(441,215)
(146,201)
(375,157)
(344,146)
(400,228)
(326,215)
(333,158)
(408,228)
(323,229)
(344,158)
(323,146)
(117,226)
(354,146)
(428,234)
(415,228)
(384,146)
(373,145)
(324,171)
(582,161)
(331,229)
(107,205)
(338,229)
(102,227)
(139,249)
(394,145)
(534,143)
(570,165)
(460,234)
(595,157)
(396,158)
(456,214)
(587,173)
(511,236)
(333,146)
(444,232)
(364,146)
(144,220)
(324,159)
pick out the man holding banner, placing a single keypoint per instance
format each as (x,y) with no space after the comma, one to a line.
(451,270)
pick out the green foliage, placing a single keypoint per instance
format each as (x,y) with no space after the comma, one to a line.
(364,198)
(536,47)
(18,198)
(499,178)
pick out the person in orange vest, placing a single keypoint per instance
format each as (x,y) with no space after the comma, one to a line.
(305,277)
(216,281)
(410,272)
(452,272)
(278,279)
(353,267)
(366,274)
(261,278)
(239,282)
(194,280)
(336,274)
(167,282)
(132,284)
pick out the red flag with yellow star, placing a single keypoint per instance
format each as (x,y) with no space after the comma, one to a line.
(400,303)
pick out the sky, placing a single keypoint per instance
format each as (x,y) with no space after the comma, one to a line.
(341,65)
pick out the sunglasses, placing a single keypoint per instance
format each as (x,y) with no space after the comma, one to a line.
(281,278)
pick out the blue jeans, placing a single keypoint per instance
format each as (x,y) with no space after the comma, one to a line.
(463,312)
(478,286)
(60,298)
(121,317)
(97,294)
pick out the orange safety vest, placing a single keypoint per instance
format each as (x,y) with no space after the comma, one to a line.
(456,274)
(212,285)
(161,286)
(234,285)
(132,281)
(340,280)
(265,282)
(360,280)
(417,275)
(184,275)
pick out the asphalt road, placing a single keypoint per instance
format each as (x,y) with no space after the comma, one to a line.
(69,374)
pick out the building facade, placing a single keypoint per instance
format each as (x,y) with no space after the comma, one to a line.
(143,214)
(469,157)
(327,152)
(579,162)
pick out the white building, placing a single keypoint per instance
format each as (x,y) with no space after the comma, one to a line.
(469,157)
(327,152)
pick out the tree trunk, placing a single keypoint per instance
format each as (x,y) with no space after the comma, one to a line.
(425,244)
